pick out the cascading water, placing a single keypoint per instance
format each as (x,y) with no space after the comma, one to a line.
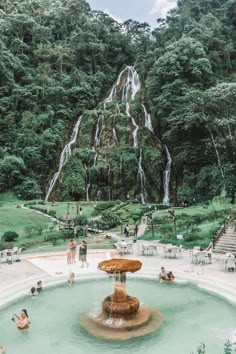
(115,136)
(65,155)
(87,184)
(132,84)
(135,131)
(97,138)
(166,199)
(141,176)
(148,121)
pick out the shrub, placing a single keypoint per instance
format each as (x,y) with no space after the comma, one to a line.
(109,220)
(81,220)
(10,236)
(29,230)
(52,213)
(101,206)
(5,245)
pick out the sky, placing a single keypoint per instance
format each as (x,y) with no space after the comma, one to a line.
(140,10)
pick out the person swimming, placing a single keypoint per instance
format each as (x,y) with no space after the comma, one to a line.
(2,349)
(39,286)
(71,279)
(22,321)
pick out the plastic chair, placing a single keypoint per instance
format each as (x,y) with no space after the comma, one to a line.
(151,249)
(200,257)
(3,256)
(230,264)
(18,255)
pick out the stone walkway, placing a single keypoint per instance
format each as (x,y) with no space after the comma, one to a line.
(18,278)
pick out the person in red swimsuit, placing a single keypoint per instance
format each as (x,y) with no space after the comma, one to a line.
(22,321)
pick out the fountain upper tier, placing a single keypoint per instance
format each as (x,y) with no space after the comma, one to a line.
(120,266)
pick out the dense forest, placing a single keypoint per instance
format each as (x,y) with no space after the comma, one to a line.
(59,61)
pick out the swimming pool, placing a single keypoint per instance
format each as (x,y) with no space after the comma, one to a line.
(191,316)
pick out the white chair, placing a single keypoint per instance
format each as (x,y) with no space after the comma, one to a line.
(18,255)
(173,252)
(130,248)
(3,256)
(151,249)
(200,258)
(230,264)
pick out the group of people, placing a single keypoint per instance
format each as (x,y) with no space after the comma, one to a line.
(126,231)
(34,291)
(166,275)
(72,249)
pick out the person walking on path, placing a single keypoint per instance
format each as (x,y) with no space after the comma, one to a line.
(83,253)
(136,231)
(126,231)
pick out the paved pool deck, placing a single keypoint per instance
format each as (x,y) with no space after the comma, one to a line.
(16,279)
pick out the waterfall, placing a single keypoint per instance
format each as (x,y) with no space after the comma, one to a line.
(166,199)
(148,121)
(65,155)
(97,138)
(87,185)
(135,131)
(142,178)
(115,136)
(131,86)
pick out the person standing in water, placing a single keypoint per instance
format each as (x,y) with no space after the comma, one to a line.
(83,253)
(22,321)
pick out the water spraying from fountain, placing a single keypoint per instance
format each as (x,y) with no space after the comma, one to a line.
(166,199)
(141,177)
(121,316)
(65,155)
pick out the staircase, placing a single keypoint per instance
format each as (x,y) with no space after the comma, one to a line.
(226,243)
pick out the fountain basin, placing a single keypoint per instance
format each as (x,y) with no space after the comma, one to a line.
(55,319)
(146,321)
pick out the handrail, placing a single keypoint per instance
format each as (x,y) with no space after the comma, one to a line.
(221,230)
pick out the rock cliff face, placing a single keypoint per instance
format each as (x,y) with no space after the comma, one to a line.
(116,153)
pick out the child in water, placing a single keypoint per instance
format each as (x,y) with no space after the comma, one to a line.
(71,279)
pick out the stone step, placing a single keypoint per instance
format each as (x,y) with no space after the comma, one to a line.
(225,242)
(225,249)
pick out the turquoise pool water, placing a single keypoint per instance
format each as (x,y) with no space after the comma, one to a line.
(191,316)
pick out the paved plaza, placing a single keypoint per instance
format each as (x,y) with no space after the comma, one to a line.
(16,279)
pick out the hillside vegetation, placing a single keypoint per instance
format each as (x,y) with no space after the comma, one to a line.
(59,60)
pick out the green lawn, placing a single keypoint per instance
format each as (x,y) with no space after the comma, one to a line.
(16,219)
(62,208)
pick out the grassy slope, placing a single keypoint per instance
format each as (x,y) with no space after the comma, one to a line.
(62,207)
(16,219)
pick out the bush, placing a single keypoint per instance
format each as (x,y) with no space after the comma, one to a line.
(101,206)
(52,213)
(5,245)
(10,236)
(108,220)
(81,220)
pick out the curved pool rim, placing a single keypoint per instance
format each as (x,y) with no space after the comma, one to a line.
(207,282)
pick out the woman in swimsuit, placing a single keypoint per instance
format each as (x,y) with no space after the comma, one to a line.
(21,321)
(73,249)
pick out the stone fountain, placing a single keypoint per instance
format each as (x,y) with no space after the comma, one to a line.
(121,316)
